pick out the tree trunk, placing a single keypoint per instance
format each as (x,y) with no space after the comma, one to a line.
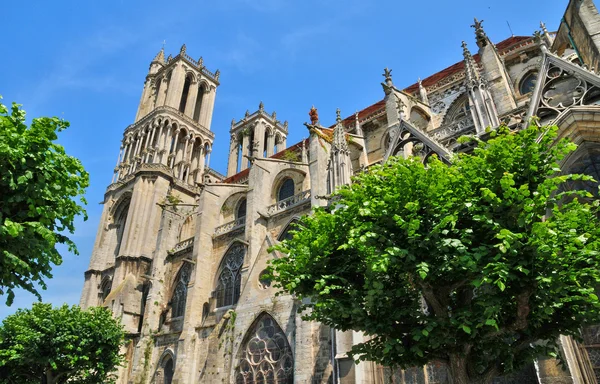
(460,373)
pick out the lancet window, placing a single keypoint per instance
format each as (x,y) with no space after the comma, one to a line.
(229,279)
(266,356)
(241,209)
(180,292)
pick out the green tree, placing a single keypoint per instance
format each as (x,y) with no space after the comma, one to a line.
(38,188)
(59,345)
(481,264)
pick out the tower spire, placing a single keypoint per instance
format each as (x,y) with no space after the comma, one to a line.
(471,69)
(160,56)
(339,168)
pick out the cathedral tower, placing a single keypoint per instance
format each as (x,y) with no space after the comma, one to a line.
(164,155)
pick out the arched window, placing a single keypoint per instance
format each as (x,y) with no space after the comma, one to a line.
(169,371)
(528,83)
(285,234)
(458,110)
(266,355)
(180,291)
(105,289)
(198,106)
(286,189)
(120,221)
(241,209)
(229,279)
(184,94)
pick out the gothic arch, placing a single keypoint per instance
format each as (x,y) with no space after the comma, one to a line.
(459,109)
(105,289)
(187,228)
(296,175)
(290,226)
(119,215)
(265,354)
(228,281)
(166,367)
(179,291)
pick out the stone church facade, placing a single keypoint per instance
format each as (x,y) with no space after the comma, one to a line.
(181,249)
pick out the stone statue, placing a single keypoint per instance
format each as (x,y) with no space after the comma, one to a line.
(314,115)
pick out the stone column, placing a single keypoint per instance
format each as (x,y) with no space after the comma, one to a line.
(207,108)
(162,92)
(233,155)
(190,104)
(259,137)
(245,144)
(200,172)
(115,174)
(175,86)
(271,144)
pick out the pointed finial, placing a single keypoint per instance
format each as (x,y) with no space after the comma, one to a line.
(285,124)
(247,113)
(182,50)
(201,62)
(232,122)
(338,115)
(543,26)
(540,39)
(217,74)
(387,73)
(261,106)
(400,107)
(274,115)
(466,52)
(480,35)
(169,58)
(314,115)
(160,56)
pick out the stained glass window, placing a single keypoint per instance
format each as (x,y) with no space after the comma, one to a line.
(266,355)
(528,83)
(180,292)
(168,371)
(241,209)
(286,190)
(230,279)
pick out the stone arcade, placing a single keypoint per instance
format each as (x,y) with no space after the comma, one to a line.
(181,249)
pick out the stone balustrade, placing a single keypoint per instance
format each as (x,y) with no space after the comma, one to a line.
(232,225)
(182,245)
(292,201)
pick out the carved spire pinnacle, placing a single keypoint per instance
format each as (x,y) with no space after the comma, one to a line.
(339,134)
(543,26)
(549,40)
(480,35)
(539,38)
(400,107)
(232,122)
(160,56)
(201,62)
(471,70)
(182,50)
(261,106)
(387,73)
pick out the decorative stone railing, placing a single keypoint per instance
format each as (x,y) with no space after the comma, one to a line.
(289,202)
(453,129)
(232,225)
(182,245)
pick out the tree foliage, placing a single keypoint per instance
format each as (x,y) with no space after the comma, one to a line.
(59,345)
(38,188)
(481,264)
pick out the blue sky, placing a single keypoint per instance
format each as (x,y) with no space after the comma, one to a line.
(86,61)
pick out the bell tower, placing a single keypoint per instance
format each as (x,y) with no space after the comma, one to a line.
(164,156)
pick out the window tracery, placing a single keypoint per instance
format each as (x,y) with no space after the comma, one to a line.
(528,83)
(286,189)
(180,292)
(230,279)
(266,355)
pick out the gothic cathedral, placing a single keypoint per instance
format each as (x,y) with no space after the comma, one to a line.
(181,250)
